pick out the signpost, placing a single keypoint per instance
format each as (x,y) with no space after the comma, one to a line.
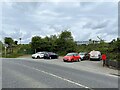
(6,45)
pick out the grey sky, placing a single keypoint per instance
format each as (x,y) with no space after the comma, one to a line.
(86,20)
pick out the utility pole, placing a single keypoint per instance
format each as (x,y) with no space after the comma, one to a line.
(20,36)
(5,51)
(6,45)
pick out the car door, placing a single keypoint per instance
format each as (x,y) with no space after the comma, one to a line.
(76,57)
(42,55)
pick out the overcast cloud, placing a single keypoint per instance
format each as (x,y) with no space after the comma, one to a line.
(86,20)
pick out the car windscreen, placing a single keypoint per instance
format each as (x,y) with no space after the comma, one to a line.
(94,52)
(81,53)
(51,53)
(70,54)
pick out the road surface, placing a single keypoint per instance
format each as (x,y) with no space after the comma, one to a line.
(28,73)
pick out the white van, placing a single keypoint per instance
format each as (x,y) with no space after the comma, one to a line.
(95,55)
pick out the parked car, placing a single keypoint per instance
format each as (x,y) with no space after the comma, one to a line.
(84,55)
(95,55)
(71,57)
(38,55)
(50,55)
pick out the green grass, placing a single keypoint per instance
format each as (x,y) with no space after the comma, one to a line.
(18,50)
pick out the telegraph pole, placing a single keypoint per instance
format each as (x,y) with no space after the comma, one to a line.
(5,51)
(6,45)
(20,36)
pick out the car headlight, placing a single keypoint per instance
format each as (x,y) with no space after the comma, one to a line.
(33,55)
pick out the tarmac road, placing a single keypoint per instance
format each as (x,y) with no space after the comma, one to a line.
(29,73)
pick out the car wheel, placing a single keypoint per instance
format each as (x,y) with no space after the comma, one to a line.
(79,60)
(64,61)
(99,59)
(72,60)
(38,57)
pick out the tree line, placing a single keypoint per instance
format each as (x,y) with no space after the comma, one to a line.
(62,44)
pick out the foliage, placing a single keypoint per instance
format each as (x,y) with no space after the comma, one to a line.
(111,49)
(61,44)
(15,42)
(65,42)
(8,40)
(36,43)
(24,49)
(1,47)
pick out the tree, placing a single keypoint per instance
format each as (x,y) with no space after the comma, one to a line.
(16,42)
(53,39)
(1,44)
(90,41)
(66,35)
(46,44)
(37,43)
(1,47)
(8,40)
(117,45)
(65,42)
(49,43)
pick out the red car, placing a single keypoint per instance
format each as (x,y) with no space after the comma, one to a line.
(71,57)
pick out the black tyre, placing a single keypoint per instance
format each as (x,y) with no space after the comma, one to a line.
(72,60)
(38,57)
(56,57)
(90,59)
(64,61)
(99,59)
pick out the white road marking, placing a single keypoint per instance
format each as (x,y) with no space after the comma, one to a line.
(70,81)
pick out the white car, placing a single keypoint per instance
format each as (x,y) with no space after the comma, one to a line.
(84,55)
(38,55)
(95,55)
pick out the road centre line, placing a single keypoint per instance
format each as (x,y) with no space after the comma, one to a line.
(70,81)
